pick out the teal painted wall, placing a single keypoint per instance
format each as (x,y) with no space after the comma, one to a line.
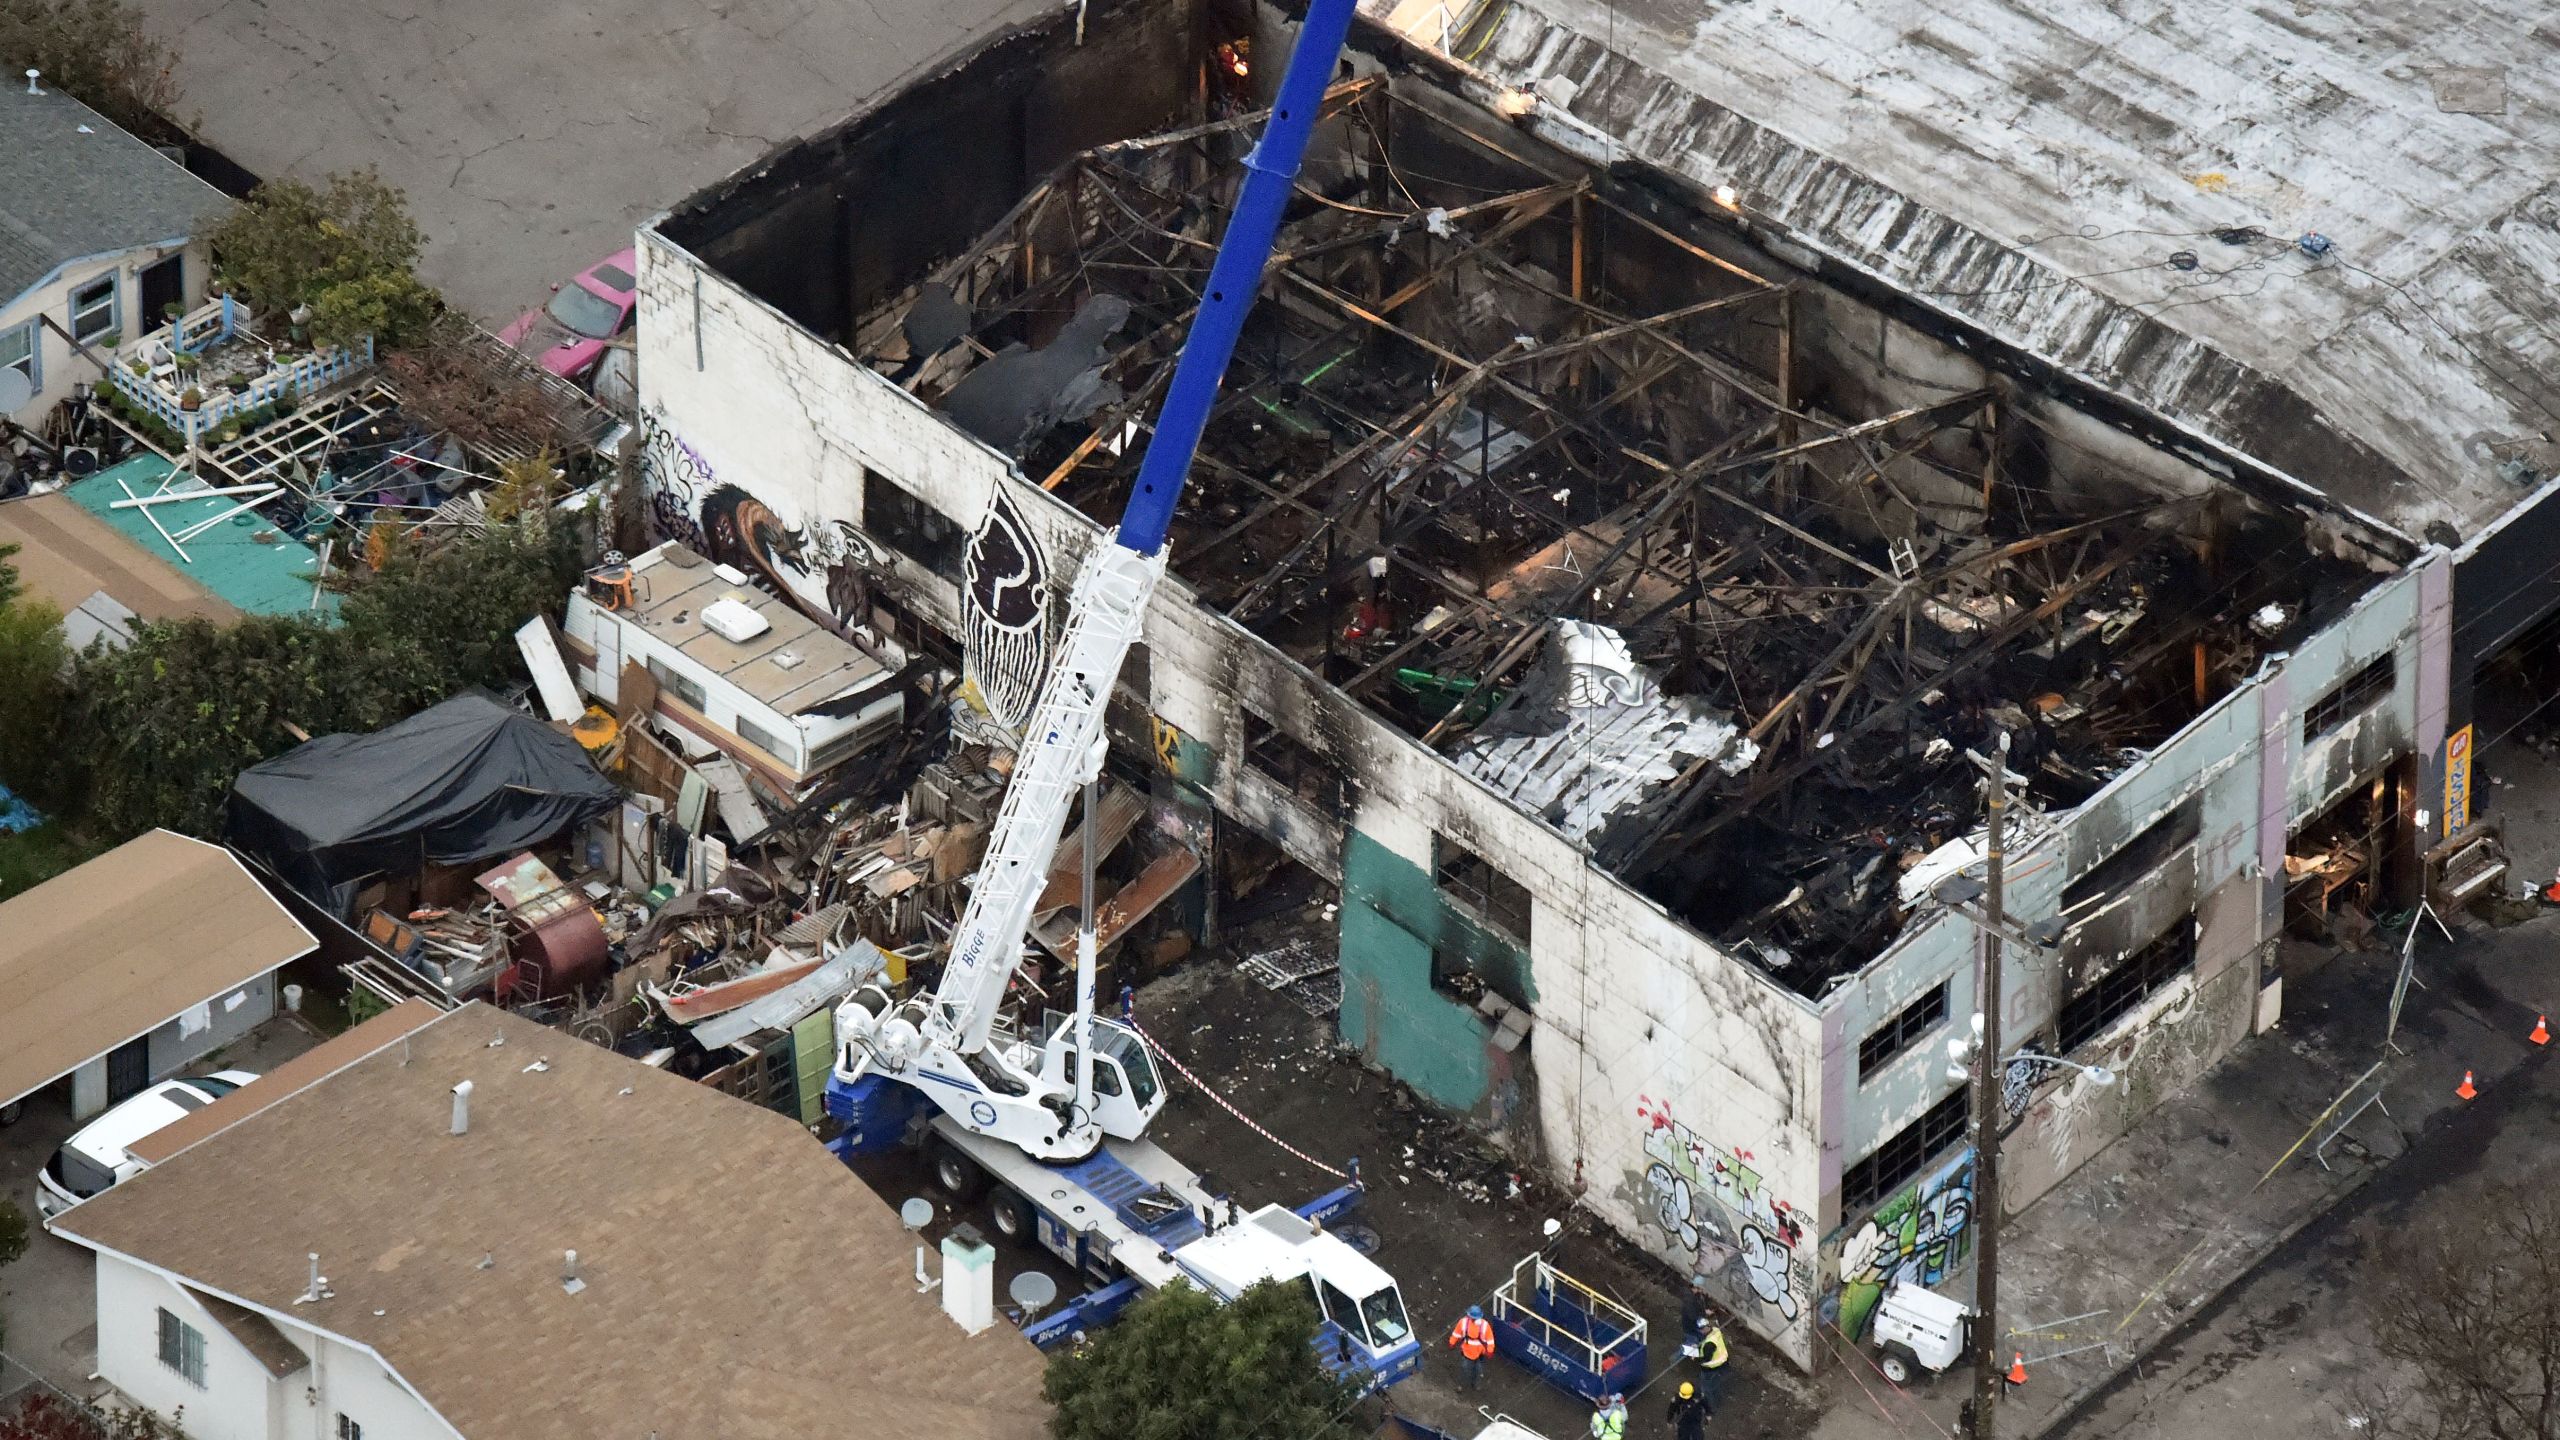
(1392,919)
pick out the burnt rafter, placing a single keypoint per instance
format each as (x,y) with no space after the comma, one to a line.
(1488,391)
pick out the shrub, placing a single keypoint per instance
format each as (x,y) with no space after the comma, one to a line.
(97,52)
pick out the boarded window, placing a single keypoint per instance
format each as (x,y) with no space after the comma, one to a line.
(911,527)
(1902,1031)
(2350,698)
(1905,1155)
(2089,1013)
(1295,764)
(1471,880)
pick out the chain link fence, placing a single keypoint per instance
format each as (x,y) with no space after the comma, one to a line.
(32,1408)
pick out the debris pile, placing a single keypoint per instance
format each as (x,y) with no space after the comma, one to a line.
(1554,487)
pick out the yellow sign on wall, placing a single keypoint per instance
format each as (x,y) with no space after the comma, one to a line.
(2457,781)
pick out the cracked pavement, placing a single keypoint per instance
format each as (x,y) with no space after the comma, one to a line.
(533,139)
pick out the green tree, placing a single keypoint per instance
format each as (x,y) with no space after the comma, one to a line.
(392,306)
(8,575)
(448,617)
(1181,1366)
(34,686)
(97,52)
(346,247)
(187,706)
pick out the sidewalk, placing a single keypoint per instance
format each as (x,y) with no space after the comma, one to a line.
(2104,1266)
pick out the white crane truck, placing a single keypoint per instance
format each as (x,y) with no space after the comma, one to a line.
(1050,1127)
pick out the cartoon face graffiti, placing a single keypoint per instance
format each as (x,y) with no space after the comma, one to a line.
(1918,1238)
(739,529)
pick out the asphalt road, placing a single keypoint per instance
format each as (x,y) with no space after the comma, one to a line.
(533,139)
(2287,1353)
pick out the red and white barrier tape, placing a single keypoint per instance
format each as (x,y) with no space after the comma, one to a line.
(1203,1087)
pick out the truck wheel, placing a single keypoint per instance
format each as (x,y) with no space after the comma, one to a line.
(1010,1213)
(1899,1365)
(957,1174)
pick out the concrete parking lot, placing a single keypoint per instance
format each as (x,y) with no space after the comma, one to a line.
(47,1299)
(533,138)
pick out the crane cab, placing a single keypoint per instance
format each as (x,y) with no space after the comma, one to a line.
(1128,1090)
(1366,1330)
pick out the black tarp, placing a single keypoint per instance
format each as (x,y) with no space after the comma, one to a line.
(466,780)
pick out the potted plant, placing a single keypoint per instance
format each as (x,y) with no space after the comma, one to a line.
(229,432)
(191,400)
(110,340)
(140,367)
(171,310)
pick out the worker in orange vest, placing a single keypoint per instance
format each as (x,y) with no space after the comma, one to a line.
(1473,1338)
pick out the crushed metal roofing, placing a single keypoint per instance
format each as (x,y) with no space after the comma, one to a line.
(2120,188)
(740,1282)
(1591,735)
(72,185)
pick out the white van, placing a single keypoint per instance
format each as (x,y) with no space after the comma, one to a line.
(94,1160)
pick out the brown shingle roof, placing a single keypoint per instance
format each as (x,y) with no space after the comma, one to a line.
(740,1283)
(256,1333)
(308,1068)
(115,948)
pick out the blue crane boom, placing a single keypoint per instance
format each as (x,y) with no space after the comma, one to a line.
(1042,1097)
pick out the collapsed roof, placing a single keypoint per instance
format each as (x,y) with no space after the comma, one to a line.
(1492,388)
(1493,410)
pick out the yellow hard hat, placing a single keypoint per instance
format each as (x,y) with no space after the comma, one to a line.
(1687,1390)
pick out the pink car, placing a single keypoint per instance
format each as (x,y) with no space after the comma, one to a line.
(569,335)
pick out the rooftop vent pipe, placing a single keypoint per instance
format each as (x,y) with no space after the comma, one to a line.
(462,1108)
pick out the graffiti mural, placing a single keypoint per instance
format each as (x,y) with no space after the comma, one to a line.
(674,477)
(1741,1240)
(825,569)
(1005,639)
(1917,1237)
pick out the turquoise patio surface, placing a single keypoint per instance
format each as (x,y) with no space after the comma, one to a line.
(245,559)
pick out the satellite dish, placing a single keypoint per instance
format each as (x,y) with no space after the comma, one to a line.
(1032,1291)
(916,1213)
(15,391)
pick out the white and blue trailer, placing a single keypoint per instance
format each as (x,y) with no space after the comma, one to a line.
(1130,1218)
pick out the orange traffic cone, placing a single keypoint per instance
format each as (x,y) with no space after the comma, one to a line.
(2017,1368)
(2466,1089)
(2541,1030)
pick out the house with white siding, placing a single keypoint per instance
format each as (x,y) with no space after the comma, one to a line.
(99,235)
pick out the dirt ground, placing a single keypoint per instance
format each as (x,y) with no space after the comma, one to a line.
(1452,1213)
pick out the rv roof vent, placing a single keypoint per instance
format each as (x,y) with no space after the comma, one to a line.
(734,621)
(730,573)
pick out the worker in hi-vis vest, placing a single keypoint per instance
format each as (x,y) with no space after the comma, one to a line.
(1472,1336)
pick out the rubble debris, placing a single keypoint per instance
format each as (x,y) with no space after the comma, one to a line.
(1488,404)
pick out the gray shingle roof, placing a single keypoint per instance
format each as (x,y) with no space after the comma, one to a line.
(65,193)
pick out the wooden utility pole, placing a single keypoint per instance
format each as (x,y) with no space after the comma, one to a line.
(1989,1374)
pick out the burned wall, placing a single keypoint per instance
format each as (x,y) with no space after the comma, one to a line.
(828,227)
(1642,1041)
(2207,815)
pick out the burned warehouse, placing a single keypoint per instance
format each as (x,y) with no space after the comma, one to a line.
(1607,603)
